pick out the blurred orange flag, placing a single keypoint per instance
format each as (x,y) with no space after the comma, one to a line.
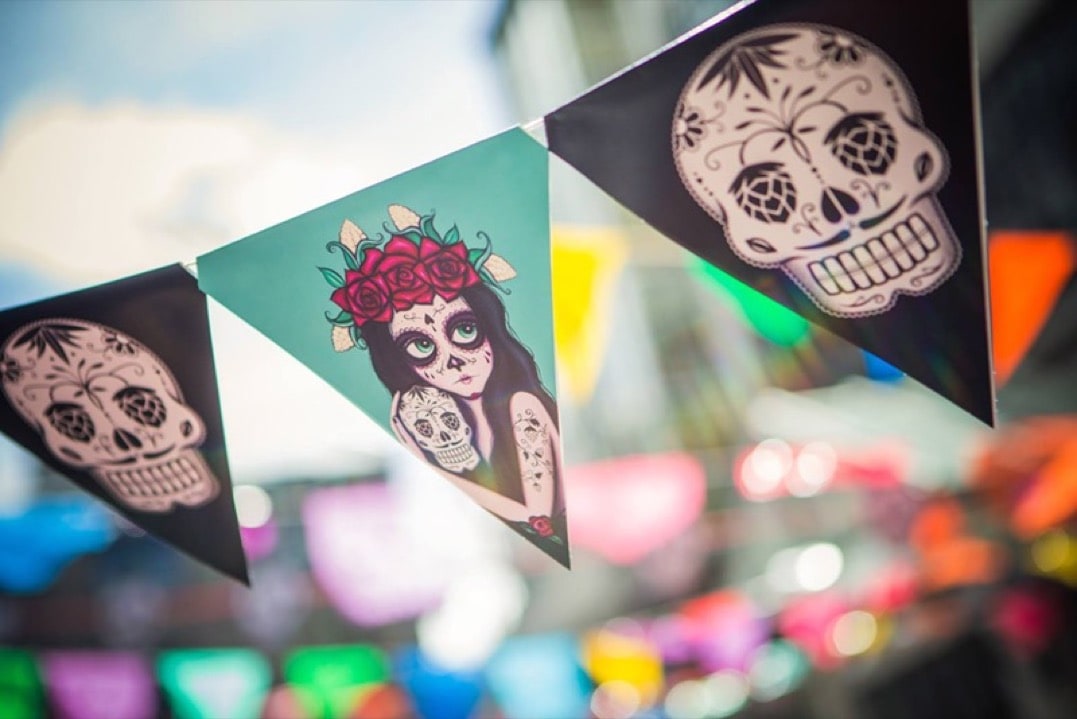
(948,556)
(1029,473)
(1028,272)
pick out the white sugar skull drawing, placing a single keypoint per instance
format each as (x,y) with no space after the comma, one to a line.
(805,142)
(434,420)
(105,403)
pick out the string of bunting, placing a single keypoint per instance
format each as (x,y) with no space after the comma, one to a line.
(823,157)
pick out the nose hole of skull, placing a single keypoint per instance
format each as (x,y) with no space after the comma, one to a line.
(923,166)
(445,436)
(837,204)
(126,440)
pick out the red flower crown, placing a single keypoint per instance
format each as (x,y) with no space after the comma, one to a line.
(414,265)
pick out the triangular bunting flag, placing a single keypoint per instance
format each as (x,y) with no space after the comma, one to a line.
(114,388)
(1029,271)
(825,154)
(586,264)
(425,300)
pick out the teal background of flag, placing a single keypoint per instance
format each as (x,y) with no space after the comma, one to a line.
(498,186)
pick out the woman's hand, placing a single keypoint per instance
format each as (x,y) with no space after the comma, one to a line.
(537,452)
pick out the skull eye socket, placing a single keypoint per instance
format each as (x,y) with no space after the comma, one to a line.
(141,405)
(424,427)
(863,142)
(451,421)
(765,192)
(70,420)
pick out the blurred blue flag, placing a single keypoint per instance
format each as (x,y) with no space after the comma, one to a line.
(36,544)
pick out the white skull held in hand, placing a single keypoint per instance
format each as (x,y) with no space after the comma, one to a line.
(435,422)
(805,142)
(105,403)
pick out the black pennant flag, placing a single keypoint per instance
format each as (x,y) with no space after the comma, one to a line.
(825,153)
(114,388)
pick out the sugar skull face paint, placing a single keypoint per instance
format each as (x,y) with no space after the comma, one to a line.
(446,345)
(466,394)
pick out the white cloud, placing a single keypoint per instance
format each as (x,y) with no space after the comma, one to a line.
(281,420)
(192,154)
(91,195)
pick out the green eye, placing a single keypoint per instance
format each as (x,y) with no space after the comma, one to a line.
(420,349)
(465,333)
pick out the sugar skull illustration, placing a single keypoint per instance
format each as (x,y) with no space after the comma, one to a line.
(105,403)
(806,143)
(426,308)
(434,421)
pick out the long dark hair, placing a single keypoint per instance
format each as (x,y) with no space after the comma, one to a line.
(514,370)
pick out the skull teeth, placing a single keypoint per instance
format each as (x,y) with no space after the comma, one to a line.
(158,483)
(878,260)
(462,454)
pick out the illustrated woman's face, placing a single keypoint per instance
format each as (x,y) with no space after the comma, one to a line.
(446,345)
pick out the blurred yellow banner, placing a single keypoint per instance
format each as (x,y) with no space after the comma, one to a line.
(586,264)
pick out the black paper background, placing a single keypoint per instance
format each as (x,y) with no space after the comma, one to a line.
(164,310)
(618,135)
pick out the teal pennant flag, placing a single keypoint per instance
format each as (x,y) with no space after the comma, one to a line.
(426,301)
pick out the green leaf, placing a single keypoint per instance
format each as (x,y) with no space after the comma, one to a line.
(343,319)
(485,252)
(349,259)
(426,224)
(452,236)
(356,337)
(332,277)
(365,245)
(411,233)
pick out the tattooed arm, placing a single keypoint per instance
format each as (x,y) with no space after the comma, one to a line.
(537,451)
(498,504)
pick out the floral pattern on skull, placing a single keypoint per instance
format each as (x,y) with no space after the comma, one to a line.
(435,422)
(806,143)
(104,403)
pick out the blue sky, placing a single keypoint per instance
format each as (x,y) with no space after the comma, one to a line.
(362,90)
(298,63)
(138,134)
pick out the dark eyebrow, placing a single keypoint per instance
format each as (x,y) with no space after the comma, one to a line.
(407,335)
(452,319)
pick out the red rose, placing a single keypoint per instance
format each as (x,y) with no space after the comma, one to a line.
(542,526)
(366,298)
(371,260)
(399,267)
(446,267)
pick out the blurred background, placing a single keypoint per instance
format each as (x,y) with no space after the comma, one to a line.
(766,521)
